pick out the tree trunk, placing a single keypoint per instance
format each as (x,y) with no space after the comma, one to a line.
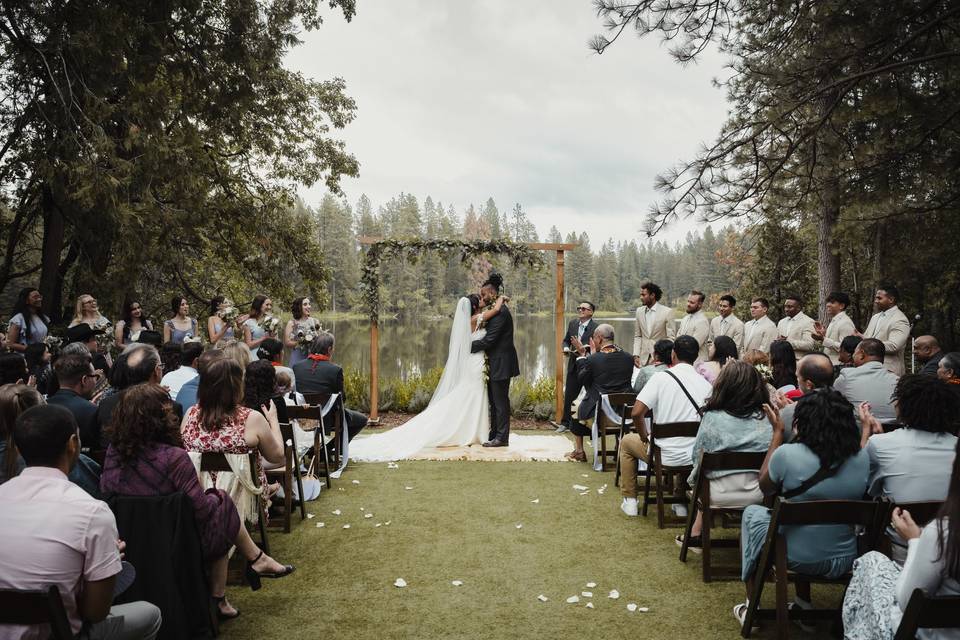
(828,261)
(54,231)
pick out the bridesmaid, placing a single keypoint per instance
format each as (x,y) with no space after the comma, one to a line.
(88,312)
(301,322)
(28,324)
(253,333)
(181,325)
(133,322)
(217,328)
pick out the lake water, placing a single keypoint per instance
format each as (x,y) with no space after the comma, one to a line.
(411,347)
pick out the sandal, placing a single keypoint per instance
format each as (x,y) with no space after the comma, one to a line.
(695,544)
(217,601)
(253,576)
(740,613)
(576,456)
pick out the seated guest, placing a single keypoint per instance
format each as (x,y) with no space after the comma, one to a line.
(55,533)
(869,381)
(13,369)
(236,350)
(721,350)
(89,337)
(607,369)
(146,458)
(77,379)
(14,400)
(928,353)
(845,357)
(733,420)
(318,374)
(948,369)
(170,356)
(219,422)
(827,438)
(911,464)
(271,350)
(814,371)
(187,370)
(783,365)
(879,590)
(662,356)
(664,396)
(260,387)
(38,358)
(187,397)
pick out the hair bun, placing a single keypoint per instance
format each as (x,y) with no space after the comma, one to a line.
(495,279)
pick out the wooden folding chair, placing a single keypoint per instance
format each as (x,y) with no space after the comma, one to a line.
(621,403)
(332,422)
(773,556)
(710,462)
(36,607)
(921,512)
(216,461)
(288,473)
(928,612)
(314,413)
(655,466)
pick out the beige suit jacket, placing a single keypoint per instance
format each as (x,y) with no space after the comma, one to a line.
(698,326)
(655,324)
(732,328)
(893,329)
(839,328)
(798,331)
(758,334)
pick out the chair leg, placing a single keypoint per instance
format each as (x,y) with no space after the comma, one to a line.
(646,489)
(783,619)
(320,449)
(299,476)
(660,513)
(686,533)
(705,521)
(262,523)
(616,455)
(287,494)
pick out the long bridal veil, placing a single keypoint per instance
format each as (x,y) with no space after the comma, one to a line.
(458,351)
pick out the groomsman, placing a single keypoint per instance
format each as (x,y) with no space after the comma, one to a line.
(727,324)
(890,326)
(840,326)
(654,322)
(696,324)
(797,327)
(582,329)
(759,332)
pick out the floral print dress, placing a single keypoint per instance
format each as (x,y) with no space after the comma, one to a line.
(227,439)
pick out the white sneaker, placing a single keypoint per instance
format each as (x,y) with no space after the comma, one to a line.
(629,507)
(679,509)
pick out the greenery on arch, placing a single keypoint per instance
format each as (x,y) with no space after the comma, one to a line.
(411,249)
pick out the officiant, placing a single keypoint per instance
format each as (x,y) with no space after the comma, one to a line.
(582,329)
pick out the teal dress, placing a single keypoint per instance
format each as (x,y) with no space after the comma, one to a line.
(817,550)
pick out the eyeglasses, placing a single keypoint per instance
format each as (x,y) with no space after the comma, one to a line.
(584,309)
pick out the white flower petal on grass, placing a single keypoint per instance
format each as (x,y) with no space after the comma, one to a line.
(573,599)
(346,526)
(320,525)
(587,594)
(309,516)
(583,493)
(408,488)
(387,523)
(368,515)
(392,465)
(362,509)
(631,607)
(580,487)
(379,524)
(400,582)
(355,482)
(519,526)
(336,512)
(591,585)
(457,583)
(340,489)
(537,501)
(589,605)
(614,595)
(542,598)
(584,475)
(643,609)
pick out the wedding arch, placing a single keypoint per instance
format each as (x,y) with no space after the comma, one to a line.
(521,253)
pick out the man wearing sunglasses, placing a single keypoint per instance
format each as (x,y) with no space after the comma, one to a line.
(580,329)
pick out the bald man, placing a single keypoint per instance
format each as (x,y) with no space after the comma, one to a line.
(814,371)
(928,353)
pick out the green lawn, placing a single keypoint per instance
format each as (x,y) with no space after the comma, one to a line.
(459,522)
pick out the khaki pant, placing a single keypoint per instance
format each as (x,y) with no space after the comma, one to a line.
(632,448)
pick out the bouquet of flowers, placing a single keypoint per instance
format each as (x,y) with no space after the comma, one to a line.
(106,341)
(54,344)
(305,338)
(229,313)
(270,324)
(765,372)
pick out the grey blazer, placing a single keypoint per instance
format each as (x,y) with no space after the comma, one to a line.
(870,382)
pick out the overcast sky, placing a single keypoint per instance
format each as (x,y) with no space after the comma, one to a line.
(463,101)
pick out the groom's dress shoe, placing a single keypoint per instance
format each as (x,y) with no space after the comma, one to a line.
(494,443)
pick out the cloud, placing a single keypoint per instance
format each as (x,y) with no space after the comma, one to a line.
(464,101)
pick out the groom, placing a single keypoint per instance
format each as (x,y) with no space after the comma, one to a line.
(502,356)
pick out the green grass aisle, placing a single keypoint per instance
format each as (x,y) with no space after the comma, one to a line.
(458,521)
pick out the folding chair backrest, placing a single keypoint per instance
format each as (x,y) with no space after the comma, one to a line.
(317,398)
(922,512)
(36,607)
(728,460)
(311,412)
(286,432)
(217,461)
(660,430)
(928,612)
(850,512)
(620,401)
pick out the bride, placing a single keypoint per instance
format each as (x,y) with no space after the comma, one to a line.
(458,414)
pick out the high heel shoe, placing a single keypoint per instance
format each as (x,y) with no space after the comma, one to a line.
(253,577)
(217,601)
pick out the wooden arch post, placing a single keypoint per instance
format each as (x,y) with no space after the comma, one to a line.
(559,331)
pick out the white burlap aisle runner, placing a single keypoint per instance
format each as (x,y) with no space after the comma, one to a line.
(549,448)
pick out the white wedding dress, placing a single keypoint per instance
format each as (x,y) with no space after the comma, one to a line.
(458,414)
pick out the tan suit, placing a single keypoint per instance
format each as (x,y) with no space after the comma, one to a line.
(839,328)
(698,326)
(892,328)
(731,326)
(758,334)
(798,331)
(653,323)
